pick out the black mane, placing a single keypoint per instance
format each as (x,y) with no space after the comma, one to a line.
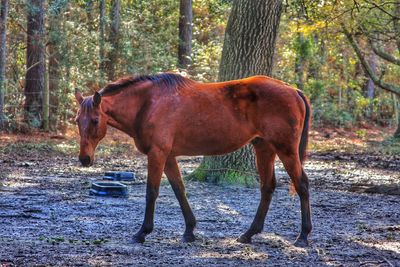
(169,81)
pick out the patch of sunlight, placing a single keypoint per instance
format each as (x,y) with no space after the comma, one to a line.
(342,144)
(288,248)
(5,137)
(227,210)
(232,250)
(17,179)
(91,169)
(67,147)
(382,245)
(20,184)
(16,174)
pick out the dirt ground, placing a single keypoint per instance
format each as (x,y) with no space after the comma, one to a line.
(48,218)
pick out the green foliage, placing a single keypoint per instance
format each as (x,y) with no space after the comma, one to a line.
(361,133)
(390,146)
(148,44)
(330,114)
(310,34)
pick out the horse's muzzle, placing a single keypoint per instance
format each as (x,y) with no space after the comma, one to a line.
(85,160)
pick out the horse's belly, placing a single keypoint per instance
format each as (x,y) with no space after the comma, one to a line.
(216,143)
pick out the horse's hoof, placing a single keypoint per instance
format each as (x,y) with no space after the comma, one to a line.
(244,239)
(301,243)
(138,239)
(188,238)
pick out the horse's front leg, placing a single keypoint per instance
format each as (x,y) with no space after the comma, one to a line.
(175,179)
(156,161)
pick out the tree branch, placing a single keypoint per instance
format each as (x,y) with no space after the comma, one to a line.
(382,9)
(386,56)
(378,82)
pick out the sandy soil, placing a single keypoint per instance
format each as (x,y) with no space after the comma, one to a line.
(48,218)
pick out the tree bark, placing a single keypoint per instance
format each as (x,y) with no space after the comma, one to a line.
(114,39)
(35,64)
(248,50)
(3,57)
(185,34)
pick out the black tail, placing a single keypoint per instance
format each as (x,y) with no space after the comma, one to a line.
(304,134)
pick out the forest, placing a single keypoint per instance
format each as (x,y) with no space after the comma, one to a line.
(344,55)
(51,47)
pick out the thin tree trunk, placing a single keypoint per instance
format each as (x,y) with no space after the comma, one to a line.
(317,59)
(46,100)
(102,37)
(3,57)
(66,48)
(396,24)
(89,15)
(248,50)
(54,83)
(185,34)
(300,61)
(369,85)
(54,59)
(114,39)
(396,106)
(35,64)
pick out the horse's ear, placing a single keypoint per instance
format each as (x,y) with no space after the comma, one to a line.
(78,96)
(96,99)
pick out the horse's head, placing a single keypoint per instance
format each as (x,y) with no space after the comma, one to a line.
(92,125)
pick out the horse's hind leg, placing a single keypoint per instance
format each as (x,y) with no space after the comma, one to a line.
(294,168)
(175,179)
(265,164)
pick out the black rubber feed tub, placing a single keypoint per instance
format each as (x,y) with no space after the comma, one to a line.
(108,189)
(119,176)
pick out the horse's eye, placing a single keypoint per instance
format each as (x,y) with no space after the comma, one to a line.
(95,121)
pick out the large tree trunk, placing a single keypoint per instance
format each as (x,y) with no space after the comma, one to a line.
(35,64)
(3,53)
(114,39)
(248,50)
(185,34)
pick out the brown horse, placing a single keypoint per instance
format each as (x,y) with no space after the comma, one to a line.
(168,115)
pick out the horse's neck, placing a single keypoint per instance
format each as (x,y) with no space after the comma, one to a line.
(120,118)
